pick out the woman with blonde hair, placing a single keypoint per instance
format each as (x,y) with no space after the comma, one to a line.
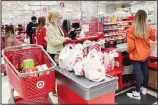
(138,47)
(10,37)
(41,32)
(55,37)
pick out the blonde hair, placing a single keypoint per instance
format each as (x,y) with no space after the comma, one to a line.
(9,32)
(140,25)
(54,16)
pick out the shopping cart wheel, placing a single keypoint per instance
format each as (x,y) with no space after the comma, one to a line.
(45,99)
(11,99)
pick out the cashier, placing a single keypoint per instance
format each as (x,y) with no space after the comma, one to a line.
(55,35)
(138,47)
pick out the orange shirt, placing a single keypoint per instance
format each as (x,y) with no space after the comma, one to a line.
(139,48)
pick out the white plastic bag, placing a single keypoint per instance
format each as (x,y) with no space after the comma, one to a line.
(77,51)
(93,68)
(87,44)
(109,61)
(79,67)
(95,46)
(64,55)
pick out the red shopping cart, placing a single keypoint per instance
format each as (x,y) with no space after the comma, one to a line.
(20,38)
(32,87)
(2,47)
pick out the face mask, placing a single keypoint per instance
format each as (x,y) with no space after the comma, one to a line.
(59,22)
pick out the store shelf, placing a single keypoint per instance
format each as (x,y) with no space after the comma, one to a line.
(111,23)
(111,35)
(111,29)
(114,72)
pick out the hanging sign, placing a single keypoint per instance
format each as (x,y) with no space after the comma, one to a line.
(62,4)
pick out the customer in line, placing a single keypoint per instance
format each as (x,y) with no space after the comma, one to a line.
(138,47)
(31,28)
(55,37)
(10,37)
(41,32)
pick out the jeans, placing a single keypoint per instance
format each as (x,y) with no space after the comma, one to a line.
(139,67)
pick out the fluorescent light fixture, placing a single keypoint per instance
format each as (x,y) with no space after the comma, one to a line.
(133,2)
(118,2)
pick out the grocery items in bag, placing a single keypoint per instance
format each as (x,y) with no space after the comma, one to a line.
(41,68)
(93,68)
(31,70)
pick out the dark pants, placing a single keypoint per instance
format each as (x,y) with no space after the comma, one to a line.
(31,40)
(52,56)
(139,67)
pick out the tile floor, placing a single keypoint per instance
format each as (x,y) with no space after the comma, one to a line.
(6,92)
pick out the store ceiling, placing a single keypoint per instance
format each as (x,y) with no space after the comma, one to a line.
(12,9)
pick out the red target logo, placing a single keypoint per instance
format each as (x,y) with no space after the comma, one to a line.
(44,9)
(62,4)
(40,84)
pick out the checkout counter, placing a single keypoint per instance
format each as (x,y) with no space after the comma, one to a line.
(74,89)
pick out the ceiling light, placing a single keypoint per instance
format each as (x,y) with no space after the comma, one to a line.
(118,2)
(133,2)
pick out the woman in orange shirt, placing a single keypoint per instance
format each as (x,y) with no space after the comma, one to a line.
(138,47)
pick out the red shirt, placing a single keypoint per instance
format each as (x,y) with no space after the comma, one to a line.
(41,36)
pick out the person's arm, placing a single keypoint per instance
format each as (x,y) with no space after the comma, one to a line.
(130,42)
(54,38)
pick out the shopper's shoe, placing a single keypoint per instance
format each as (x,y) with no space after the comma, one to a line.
(143,90)
(54,93)
(134,95)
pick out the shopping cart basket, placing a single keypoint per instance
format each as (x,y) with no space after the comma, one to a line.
(28,86)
